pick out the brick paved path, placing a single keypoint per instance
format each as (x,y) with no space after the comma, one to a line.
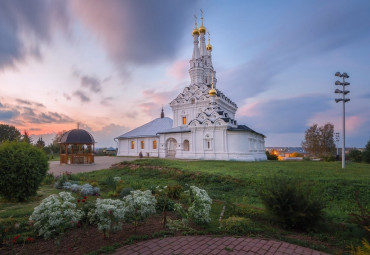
(213,245)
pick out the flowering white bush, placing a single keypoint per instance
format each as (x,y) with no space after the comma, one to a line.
(75,188)
(140,205)
(55,214)
(108,215)
(116,179)
(201,206)
(87,189)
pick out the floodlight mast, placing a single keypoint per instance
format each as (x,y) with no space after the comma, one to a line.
(337,140)
(344,101)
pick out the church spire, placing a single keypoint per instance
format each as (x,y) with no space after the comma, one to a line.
(162,113)
(202,31)
(195,34)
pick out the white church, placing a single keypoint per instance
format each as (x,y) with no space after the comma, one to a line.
(203,125)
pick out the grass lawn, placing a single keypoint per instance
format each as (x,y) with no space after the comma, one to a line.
(335,185)
(235,183)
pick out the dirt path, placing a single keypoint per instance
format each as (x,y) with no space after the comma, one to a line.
(103,162)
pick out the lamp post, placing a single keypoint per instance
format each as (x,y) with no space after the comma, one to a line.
(344,101)
(337,141)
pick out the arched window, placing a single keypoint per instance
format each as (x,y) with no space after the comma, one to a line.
(186,145)
(193,101)
(155,144)
(208,144)
(132,145)
(142,144)
(184,120)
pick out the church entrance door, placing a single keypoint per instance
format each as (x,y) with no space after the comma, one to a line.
(171,147)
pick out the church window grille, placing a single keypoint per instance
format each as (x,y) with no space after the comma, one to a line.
(142,144)
(184,120)
(132,145)
(155,144)
(186,145)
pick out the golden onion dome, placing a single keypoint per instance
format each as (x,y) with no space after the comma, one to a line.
(202,29)
(195,31)
(209,46)
(212,92)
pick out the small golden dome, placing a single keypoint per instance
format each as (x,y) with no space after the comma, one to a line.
(209,46)
(202,29)
(195,31)
(212,92)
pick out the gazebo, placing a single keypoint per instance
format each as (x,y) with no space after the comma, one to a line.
(77,147)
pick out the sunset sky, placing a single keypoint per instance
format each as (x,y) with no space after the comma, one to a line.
(111,65)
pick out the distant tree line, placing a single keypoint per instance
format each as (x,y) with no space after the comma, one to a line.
(10,133)
(319,142)
(360,156)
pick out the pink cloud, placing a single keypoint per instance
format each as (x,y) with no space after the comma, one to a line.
(179,69)
(353,123)
(249,110)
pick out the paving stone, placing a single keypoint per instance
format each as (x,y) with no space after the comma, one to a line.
(215,246)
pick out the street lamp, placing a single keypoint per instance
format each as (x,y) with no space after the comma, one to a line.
(337,141)
(344,100)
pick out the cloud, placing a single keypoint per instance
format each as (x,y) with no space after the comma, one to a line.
(26,102)
(24,25)
(288,115)
(136,32)
(21,101)
(179,69)
(106,101)
(31,116)
(82,96)
(66,96)
(293,43)
(91,83)
(7,115)
(104,136)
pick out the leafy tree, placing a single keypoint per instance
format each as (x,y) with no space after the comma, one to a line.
(40,143)
(9,133)
(355,156)
(319,141)
(366,153)
(26,137)
(53,148)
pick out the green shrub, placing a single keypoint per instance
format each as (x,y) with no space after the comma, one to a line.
(160,204)
(236,225)
(22,169)
(290,204)
(49,179)
(174,191)
(355,156)
(329,158)
(126,192)
(366,153)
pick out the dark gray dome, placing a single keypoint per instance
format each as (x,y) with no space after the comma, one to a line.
(78,136)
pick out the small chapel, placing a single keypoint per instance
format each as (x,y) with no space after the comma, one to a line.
(203,124)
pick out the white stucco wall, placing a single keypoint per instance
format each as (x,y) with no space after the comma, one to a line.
(124,147)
